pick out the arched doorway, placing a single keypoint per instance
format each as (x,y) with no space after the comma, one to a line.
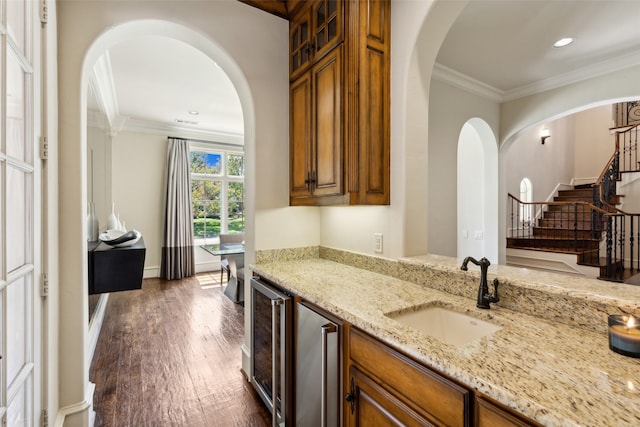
(477,191)
(74,387)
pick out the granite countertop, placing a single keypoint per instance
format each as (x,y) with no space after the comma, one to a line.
(551,372)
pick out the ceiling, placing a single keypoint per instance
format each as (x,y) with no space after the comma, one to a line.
(505,46)
(508,44)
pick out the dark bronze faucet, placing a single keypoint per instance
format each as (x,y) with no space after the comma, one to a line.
(484,297)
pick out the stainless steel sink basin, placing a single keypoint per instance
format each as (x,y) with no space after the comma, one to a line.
(445,324)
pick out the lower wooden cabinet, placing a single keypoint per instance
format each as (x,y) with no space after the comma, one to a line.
(388,385)
(370,404)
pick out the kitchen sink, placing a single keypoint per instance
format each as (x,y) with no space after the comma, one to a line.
(445,324)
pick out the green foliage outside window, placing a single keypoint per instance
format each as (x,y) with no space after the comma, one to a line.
(206,194)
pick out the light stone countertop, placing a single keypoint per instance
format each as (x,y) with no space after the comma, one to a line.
(551,372)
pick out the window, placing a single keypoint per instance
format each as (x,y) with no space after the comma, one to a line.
(217,193)
(526,211)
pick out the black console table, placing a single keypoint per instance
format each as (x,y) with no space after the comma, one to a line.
(115,269)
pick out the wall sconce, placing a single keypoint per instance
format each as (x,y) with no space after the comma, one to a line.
(544,135)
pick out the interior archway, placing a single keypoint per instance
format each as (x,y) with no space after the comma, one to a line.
(477,191)
(74,354)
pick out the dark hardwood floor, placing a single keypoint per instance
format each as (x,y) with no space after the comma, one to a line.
(169,355)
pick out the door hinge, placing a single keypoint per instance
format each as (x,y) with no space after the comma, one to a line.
(44,148)
(44,285)
(44,12)
(44,418)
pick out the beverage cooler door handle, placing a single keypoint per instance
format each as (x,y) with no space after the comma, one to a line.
(275,332)
(327,329)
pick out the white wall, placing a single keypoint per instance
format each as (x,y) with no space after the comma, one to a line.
(594,144)
(545,165)
(449,109)
(139,162)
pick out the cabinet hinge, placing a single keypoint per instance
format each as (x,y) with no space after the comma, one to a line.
(44,418)
(44,12)
(44,285)
(44,148)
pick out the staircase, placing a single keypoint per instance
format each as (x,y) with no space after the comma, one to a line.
(566,225)
(585,220)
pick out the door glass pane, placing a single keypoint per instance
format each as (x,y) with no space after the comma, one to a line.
(15,109)
(19,410)
(19,314)
(18,210)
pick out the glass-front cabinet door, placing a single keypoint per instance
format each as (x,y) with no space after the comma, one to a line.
(327,25)
(314,30)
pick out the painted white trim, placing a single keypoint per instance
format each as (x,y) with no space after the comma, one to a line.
(103,86)
(157,128)
(549,261)
(594,70)
(560,186)
(246,362)
(151,272)
(462,81)
(468,83)
(95,325)
(203,267)
(584,180)
(76,408)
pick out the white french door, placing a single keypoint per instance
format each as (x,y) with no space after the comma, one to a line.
(20,305)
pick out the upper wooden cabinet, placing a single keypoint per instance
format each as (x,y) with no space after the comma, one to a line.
(339,103)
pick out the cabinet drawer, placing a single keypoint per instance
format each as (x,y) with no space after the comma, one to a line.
(428,393)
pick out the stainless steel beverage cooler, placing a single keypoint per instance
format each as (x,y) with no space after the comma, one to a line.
(318,368)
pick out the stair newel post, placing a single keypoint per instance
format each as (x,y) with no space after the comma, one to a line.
(631,243)
(609,244)
(575,227)
(621,244)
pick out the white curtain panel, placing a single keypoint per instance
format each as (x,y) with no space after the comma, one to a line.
(177,246)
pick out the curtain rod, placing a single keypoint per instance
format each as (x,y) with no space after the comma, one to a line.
(208,142)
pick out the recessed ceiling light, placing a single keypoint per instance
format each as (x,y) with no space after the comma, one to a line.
(563,42)
(194,113)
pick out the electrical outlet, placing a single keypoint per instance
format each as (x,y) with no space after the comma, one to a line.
(377,243)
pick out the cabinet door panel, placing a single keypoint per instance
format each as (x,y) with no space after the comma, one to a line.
(300,136)
(327,102)
(374,406)
(428,392)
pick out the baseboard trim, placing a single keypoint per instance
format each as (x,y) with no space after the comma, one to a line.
(86,406)
(95,325)
(151,272)
(246,362)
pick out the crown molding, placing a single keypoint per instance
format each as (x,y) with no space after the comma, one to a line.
(165,129)
(466,83)
(594,70)
(469,84)
(102,84)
